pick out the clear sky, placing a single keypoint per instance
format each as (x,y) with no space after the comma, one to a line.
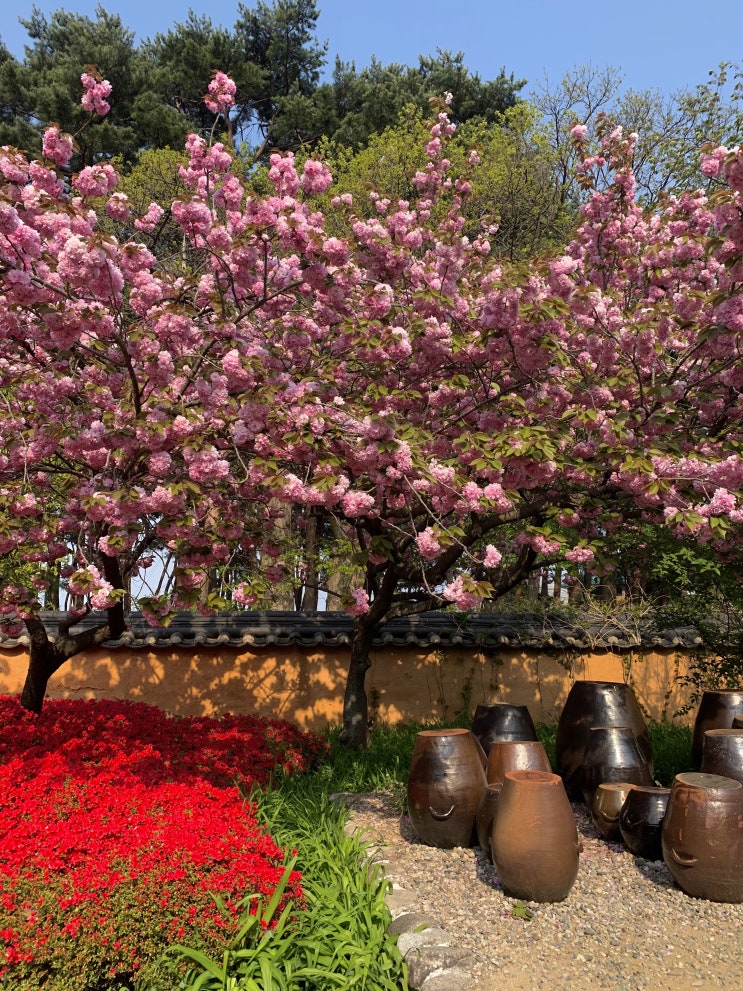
(663,44)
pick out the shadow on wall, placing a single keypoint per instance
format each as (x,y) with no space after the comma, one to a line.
(409,686)
(306,686)
(296,685)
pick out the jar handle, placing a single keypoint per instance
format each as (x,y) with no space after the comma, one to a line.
(440,815)
(683,860)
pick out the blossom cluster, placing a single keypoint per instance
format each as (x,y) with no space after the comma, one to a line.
(222,91)
(95,97)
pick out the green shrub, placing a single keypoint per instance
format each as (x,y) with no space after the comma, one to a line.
(671,751)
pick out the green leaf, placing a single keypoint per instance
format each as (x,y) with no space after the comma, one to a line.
(520,911)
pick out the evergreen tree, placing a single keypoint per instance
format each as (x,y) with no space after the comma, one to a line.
(42,87)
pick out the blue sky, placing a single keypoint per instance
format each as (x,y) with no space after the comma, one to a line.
(658,44)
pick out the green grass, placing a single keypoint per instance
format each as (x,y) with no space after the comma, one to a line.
(671,751)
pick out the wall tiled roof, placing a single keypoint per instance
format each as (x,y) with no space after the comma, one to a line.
(433,630)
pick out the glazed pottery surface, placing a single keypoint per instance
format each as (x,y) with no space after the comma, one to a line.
(703,836)
(592,704)
(737,722)
(445,784)
(717,709)
(722,753)
(486,812)
(535,842)
(612,754)
(606,806)
(502,721)
(641,820)
(515,755)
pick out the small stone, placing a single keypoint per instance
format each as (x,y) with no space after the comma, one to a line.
(424,962)
(399,902)
(409,922)
(453,979)
(431,936)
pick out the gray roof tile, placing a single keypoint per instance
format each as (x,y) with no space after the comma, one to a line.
(427,630)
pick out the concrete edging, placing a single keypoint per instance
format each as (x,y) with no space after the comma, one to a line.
(434,961)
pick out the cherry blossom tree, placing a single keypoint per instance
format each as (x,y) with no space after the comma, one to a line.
(462,421)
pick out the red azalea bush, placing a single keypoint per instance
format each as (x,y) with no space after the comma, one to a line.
(231,750)
(116,825)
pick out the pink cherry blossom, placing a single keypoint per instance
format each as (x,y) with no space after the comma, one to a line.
(221,96)
(360,603)
(461,594)
(57,146)
(94,99)
(96,180)
(316,177)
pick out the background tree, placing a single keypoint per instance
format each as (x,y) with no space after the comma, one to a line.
(270,54)
(358,104)
(512,186)
(671,127)
(43,87)
(463,420)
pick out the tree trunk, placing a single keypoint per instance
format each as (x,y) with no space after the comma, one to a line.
(41,667)
(355,702)
(341,578)
(47,656)
(309,597)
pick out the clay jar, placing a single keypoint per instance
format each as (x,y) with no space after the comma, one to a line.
(612,754)
(589,704)
(515,755)
(535,842)
(722,753)
(717,709)
(502,721)
(606,806)
(445,784)
(641,820)
(486,812)
(703,836)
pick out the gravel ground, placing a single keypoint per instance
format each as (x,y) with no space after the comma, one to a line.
(624,926)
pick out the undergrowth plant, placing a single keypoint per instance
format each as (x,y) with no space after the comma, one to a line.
(339,939)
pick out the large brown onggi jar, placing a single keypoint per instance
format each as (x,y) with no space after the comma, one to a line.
(502,721)
(722,753)
(445,784)
(590,704)
(641,820)
(612,754)
(515,755)
(535,842)
(717,709)
(486,813)
(702,836)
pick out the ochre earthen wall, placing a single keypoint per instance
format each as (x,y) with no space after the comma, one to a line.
(306,686)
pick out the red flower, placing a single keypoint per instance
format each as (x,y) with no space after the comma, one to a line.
(118,822)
